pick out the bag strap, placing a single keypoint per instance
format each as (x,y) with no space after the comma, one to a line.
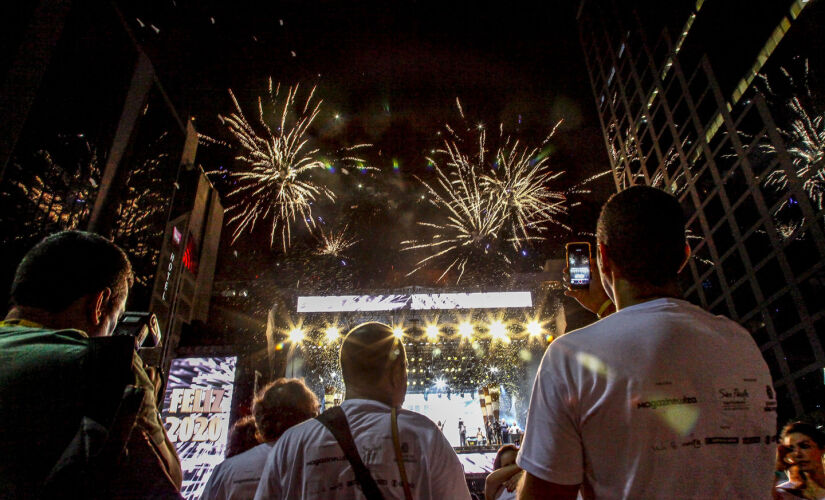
(399,457)
(335,420)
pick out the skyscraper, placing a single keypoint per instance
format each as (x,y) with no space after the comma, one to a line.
(683,107)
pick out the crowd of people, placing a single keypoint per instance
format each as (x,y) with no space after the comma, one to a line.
(496,433)
(657,399)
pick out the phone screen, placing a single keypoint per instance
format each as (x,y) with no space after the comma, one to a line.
(578,263)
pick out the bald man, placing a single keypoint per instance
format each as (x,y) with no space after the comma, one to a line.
(308,463)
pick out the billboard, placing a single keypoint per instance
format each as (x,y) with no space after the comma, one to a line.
(196,415)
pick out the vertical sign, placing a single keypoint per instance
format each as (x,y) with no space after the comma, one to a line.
(196,415)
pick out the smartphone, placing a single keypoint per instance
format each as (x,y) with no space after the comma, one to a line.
(578,264)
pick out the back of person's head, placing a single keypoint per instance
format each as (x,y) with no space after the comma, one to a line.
(69,265)
(501,451)
(243,436)
(644,231)
(368,352)
(816,435)
(282,404)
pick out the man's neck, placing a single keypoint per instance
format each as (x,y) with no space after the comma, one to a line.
(382,396)
(628,294)
(39,316)
(64,320)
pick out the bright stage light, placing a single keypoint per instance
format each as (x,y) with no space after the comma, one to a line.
(296,335)
(332,333)
(534,328)
(432,332)
(465,329)
(398,332)
(499,332)
(440,383)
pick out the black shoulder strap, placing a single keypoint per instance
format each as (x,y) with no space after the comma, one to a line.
(108,370)
(335,420)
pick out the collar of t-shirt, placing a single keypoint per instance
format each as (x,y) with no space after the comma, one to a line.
(24,323)
(20,322)
(360,403)
(650,304)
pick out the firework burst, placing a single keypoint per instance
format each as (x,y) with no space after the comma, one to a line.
(805,140)
(483,204)
(334,244)
(473,217)
(521,184)
(277,182)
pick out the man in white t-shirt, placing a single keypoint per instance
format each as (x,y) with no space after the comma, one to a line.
(277,407)
(658,400)
(308,463)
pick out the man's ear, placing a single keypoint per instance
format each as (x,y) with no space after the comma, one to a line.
(687,257)
(99,305)
(399,373)
(603,260)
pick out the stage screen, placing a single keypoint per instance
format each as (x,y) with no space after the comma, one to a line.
(448,410)
(196,415)
(477,463)
(415,301)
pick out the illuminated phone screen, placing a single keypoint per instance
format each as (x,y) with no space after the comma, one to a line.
(578,262)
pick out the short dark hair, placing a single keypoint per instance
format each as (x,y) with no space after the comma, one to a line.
(282,404)
(501,451)
(816,435)
(66,266)
(368,351)
(644,231)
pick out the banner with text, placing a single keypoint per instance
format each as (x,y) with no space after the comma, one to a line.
(196,415)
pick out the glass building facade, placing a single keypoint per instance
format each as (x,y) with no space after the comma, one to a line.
(684,108)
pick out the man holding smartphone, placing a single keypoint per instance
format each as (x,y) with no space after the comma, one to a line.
(657,397)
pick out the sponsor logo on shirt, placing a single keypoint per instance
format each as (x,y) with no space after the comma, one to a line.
(694,443)
(665,445)
(721,440)
(659,403)
(751,440)
(733,399)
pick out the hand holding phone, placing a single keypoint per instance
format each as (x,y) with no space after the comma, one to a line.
(591,295)
(578,264)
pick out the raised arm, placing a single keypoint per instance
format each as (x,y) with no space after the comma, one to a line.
(497,478)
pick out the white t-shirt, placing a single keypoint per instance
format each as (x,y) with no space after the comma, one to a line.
(237,477)
(658,400)
(308,463)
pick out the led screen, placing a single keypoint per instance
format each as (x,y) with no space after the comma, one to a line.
(415,301)
(196,415)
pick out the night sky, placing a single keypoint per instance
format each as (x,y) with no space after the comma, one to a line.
(391,72)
